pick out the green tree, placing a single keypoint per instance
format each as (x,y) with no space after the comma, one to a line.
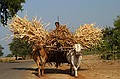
(111,43)
(8,8)
(107,45)
(20,47)
(117,23)
(9,55)
(117,35)
(1,48)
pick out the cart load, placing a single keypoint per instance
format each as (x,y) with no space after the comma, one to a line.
(87,35)
(33,31)
(61,36)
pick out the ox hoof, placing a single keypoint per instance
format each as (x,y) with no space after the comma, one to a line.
(71,74)
(39,76)
(76,76)
(43,75)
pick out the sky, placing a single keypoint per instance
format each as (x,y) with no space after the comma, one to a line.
(71,12)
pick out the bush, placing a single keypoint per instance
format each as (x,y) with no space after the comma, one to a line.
(108,56)
(9,55)
(118,55)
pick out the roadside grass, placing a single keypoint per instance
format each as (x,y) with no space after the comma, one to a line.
(7,59)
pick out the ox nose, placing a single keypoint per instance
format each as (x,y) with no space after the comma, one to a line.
(77,53)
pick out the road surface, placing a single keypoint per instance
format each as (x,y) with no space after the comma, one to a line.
(92,67)
(16,70)
(27,70)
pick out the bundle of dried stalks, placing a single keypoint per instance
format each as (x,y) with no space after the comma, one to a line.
(33,30)
(61,36)
(88,36)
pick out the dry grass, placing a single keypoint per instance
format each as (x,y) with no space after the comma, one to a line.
(88,35)
(7,59)
(33,31)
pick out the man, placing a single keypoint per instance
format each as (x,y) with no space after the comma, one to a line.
(57,24)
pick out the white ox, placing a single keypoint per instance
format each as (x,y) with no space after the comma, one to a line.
(74,57)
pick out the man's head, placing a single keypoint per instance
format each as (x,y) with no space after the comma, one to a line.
(57,24)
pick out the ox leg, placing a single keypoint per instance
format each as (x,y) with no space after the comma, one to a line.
(75,69)
(71,70)
(39,74)
(42,68)
(76,74)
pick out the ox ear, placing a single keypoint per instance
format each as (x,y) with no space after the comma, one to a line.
(81,47)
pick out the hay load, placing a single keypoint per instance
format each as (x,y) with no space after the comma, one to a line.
(87,35)
(34,31)
(61,36)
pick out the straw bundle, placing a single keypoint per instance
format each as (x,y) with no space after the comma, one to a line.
(33,30)
(61,36)
(88,36)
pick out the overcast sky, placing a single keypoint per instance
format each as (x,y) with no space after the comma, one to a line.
(70,12)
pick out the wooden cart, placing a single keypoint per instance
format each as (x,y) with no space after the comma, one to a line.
(57,54)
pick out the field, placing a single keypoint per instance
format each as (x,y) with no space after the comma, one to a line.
(92,67)
(100,69)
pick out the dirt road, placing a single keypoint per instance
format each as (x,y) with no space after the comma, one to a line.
(52,73)
(100,69)
(92,67)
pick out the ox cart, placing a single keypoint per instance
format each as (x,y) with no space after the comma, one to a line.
(57,54)
(59,42)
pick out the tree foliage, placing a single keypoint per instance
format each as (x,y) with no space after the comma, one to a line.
(1,48)
(8,8)
(20,47)
(111,41)
(9,55)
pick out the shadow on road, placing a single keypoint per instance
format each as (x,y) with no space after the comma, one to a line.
(31,69)
(53,71)
(57,71)
(82,69)
(49,70)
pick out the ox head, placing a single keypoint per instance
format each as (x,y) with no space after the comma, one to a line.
(34,49)
(78,48)
(37,47)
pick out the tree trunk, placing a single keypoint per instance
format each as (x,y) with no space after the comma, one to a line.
(16,57)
